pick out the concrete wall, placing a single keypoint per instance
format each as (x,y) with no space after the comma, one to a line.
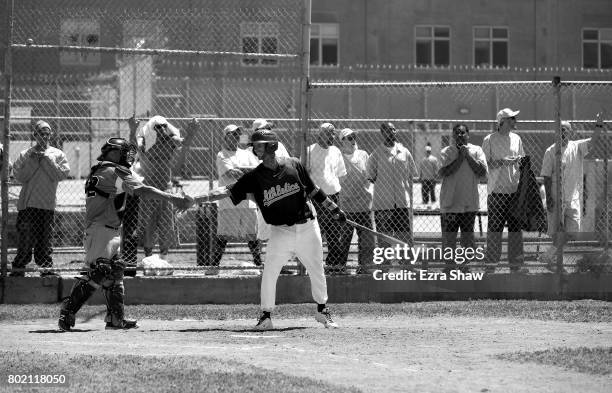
(296,289)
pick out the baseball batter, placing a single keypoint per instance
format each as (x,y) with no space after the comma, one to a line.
(282,189)
(105,191)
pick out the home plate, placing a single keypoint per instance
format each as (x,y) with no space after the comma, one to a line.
(252,336)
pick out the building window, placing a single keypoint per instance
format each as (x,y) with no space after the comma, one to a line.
(80,32)
(432,45)
(491,46)
(259,38)
(324,40)
(597,48)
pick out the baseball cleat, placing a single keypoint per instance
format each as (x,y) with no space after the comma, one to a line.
(326,319)
(265,323)
(66,321)
(125,324)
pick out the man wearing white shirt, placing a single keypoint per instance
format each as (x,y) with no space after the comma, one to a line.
(240,221)
(326,167)
(356,199)
(572,173)
(503,150)
(391,168)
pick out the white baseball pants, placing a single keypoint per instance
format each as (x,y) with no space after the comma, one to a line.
(303,241)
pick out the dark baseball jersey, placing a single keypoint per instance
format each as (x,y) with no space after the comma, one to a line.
(105,192)
(281,194)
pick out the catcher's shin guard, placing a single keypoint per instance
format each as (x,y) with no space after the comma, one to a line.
(115,309)
(80,293)
(100,270)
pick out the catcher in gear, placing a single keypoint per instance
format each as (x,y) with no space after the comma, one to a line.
(105,191)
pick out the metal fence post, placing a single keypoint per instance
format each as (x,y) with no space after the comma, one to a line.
(605,194)
(304,87)
(305,78)
(558,178)
(8,90)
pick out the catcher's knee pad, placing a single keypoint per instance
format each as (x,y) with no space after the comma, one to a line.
(100,270)
(117,268)
(114,303)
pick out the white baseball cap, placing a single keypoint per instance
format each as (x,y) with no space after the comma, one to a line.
(326,127)
(506,113)
(260,123)
(41,124)
(344,133)
(427,148)
(231,128)
(566,124)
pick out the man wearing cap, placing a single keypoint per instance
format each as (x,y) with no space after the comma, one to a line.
(39,169)
(572,173)
(503,150)
(240,221)
(326,167)
(283,191)
(428,174)
(158,141)
(355,199)
(263,228)
(391,169)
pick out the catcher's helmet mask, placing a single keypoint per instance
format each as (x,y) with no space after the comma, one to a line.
(265,136)
(127,149)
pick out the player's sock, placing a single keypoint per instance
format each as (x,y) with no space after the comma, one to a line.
(266,314)
(321,307)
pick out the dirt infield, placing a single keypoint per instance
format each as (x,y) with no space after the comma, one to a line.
(399,353)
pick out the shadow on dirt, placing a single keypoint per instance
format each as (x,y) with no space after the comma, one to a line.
(287,329)
(61,331)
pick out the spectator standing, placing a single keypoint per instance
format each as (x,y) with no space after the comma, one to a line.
(240,220)
(355,199)
(39,169)
(463,165)
(158,141)
(428,172)
(503,150)
(573,153)
(326,167)
(391,169)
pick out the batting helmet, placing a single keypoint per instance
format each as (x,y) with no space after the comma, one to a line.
(127,149)
(265,136)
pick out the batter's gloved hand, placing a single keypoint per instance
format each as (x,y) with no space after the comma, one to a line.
(338,215)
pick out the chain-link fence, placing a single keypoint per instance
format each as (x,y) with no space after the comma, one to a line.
(502,213)
(93,72)
(86,68)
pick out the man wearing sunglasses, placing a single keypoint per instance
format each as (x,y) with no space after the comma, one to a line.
(105,191)
(355,200)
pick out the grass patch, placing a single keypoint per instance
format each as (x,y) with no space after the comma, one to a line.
(565,311)
(596,361)
(121,373)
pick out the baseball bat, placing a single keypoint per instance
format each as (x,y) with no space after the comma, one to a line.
(388,238)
